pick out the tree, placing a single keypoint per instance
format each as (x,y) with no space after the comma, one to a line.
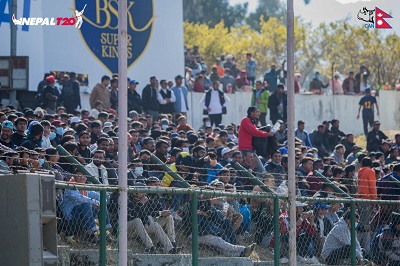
(212,12)
(265,9)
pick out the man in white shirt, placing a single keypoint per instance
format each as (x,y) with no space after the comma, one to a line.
(214,104)
(96,167)
(166,98)
(181,93)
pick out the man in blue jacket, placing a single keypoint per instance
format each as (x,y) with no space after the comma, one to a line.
(181,92)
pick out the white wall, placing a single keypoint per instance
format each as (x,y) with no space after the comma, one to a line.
(313,109)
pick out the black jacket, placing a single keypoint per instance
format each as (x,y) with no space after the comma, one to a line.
(273,102)
(134,101)
(373,143)
(30,143)
(149,99)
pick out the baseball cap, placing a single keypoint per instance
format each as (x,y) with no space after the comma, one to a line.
(107,124)
(321,205)
(367,89)
(225,151)
(75,119)
(133,82)
(68,130)
(132,114)
(58,123)
(178,77)
(355,147)
(50,79)
(377,122)
(7,124)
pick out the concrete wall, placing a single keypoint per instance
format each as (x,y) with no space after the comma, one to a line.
(313,109)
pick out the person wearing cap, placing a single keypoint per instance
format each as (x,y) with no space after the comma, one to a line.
(390,241)
(51,96)
(337,246)
(150,104)
(181,93)
(101,93)
(367,103)
(336,87)
(20,124)
(316,84)
(375,138)
(95,131)
(227,81)
(226,154)
(134,99)
(259,99)
(241,80)
(35,132)
(7,129)
(321,222)
(349,84)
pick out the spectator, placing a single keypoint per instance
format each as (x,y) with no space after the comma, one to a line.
(214,104)
(336,134)
(96,167)
(337,245)
(150,103)
(277,105)
(297,85)
(20,124)
(98,107)
(70,94)
(183,125)
(231,65)
(35,132)
(51,96)
(259,99)
(375,137)
(8,160)
(390,241)
(349,181)
(302,134)
(337,86)
(222,139)
(349,84)
(367,102)
(134,99)
(319,141)
(314,182)
(275,168)
(6,132)
(321,222)
(316,84)
(207,83)
(198,84)
(251,67)
(214,74)
(228,82)
(387,189)
(241,80)
(101,93)
(393,156)
(220,69)
(114,93)
(271,78)
(181,93)
(338,154)
(362,79)
(348,143)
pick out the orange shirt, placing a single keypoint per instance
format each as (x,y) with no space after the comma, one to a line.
(366,183)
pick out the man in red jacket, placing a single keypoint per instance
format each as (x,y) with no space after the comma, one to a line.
(248,129)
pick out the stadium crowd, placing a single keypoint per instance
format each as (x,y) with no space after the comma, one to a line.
(206,158)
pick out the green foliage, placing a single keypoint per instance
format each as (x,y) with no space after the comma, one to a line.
(346,45)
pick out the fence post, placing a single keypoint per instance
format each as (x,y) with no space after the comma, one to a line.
(102,222)
(277,240)
(195,231)
(353,232)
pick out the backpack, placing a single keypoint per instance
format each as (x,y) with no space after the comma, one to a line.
(265,146)
(67,93)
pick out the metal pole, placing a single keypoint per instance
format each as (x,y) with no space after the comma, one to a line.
(13,50)
(353,232)
(195,231)
(123,129)
(102,218)
(277,239)
(291,138)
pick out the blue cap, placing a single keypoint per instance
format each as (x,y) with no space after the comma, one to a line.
(133,82)
(283,150)
(8,124)
(322,205)
(174,135)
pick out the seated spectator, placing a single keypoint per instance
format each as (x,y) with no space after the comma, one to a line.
(226,154)
(222,139)
(389,240)
(213,167)
(96,167)
(320,211)
(348,179)
(135,172)
(182,124)
(338,174)
(275,168)
(8,160)
(7,129)
(81,207)
(35,132)
(52,158)
(352,155)
(315,182)
(319,141)
(393,156)
(241,80)
(302,134)
(338,154)
(337,246)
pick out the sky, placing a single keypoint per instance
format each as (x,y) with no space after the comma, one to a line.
(319,11)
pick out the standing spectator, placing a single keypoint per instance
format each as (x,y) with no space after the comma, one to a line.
(349,84)
(366,190)
(302,134)
(319,141)
(229,63)
(348,143)
(260,100)
(214,104)
(362,79)
(367,102)
(181,93)
(207,83)
(220,69)
(101,93)
(51,96)
(166,98)
(198,84)
(336,134)
(228,82)
(248,129)
(149,99)
(336,86)
(189,81)
(39,92)
(134,99)
(242,80)
(70,94)
(297,86)
(214,74)
(277,104)
(271,78)
(316,84)
(251,67)
(375,137)
(114,94)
